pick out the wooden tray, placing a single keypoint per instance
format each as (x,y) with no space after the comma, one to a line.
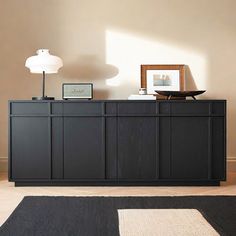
(180,94)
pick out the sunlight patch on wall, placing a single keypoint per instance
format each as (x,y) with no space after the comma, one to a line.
(127,52)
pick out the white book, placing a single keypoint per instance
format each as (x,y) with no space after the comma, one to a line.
(141,97)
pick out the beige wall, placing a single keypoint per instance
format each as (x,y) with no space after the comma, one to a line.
(105,41)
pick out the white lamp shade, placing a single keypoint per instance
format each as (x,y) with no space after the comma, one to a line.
(44,61)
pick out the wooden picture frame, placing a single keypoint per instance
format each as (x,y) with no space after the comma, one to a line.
(163,77)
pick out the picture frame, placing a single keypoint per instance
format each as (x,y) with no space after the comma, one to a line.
(77,91)
(163,77)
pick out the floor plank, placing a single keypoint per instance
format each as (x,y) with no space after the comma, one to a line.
(11,196)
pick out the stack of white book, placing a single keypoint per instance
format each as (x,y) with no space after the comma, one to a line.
(141,97)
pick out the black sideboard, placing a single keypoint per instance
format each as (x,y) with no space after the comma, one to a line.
(117,142)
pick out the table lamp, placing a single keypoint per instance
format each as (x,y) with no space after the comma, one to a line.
(44,63)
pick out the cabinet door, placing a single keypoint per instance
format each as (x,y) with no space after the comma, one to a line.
(137,148)
(30,148)
(218,148)
(190,147)
(83,148)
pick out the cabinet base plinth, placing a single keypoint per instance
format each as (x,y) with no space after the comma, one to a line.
(115,183)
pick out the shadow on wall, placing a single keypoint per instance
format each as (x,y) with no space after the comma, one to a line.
(89,67)
(101,93)
(189,80)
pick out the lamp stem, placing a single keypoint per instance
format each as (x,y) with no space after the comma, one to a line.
(43,84)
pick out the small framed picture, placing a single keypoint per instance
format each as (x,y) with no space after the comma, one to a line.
(162,77)
(77,91)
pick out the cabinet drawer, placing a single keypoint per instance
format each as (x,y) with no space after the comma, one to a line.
(219,108)
(29,108)
(83,108)
(197,108)
(137,108)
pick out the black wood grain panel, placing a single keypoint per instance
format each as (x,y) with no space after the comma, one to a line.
(164,108)
(137,108)
(189,147)
(30,148)
(57,148)
(83,148)
(218,108)
(111,148)
(81,108)
(29,108)
(57,108)
(165,147)
(218,151)
(190,108)
(111,108)
(136,148)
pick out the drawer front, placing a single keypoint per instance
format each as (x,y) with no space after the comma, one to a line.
(83,108)
(30,108)
(195,108)
(219,108)
(129,108)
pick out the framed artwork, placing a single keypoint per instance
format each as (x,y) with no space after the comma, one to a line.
(77,91)
(162,77)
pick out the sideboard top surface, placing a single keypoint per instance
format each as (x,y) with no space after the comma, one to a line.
(119,107)
(119,100)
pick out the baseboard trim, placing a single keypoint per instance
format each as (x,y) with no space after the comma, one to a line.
(3,164)
(231,164)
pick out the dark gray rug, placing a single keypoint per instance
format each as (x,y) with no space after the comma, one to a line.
(85,216)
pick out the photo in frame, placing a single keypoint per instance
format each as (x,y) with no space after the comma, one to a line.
(162,78)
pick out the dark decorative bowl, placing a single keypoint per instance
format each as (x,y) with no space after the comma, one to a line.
(170,94)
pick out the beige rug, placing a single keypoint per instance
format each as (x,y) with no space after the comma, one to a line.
(166,222)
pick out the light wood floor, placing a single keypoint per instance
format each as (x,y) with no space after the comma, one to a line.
(11,196)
